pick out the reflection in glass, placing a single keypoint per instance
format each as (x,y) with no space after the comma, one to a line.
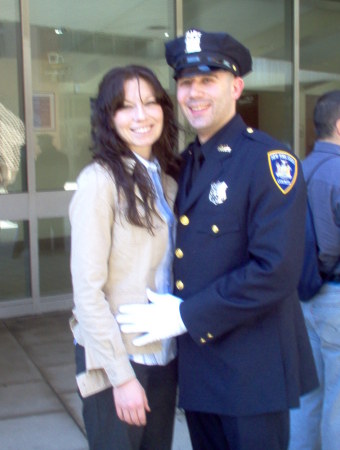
(14,260)
(12,131)
(54,256)
(51,165)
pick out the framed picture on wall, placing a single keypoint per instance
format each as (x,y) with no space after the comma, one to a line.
(43,111)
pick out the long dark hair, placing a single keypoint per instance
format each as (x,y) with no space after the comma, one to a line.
(109,149)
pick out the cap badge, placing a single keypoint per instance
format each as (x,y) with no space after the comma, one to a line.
(218,192)
(192,41)
(224,149)
(283,168)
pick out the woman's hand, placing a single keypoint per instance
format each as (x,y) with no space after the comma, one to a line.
(131,403)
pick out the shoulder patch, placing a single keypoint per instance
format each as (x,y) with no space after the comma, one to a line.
(283,169)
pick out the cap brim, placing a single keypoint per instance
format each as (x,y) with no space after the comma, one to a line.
(197,70)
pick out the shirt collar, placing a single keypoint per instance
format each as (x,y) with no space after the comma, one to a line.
(326,147)
(149,165)
(227,134)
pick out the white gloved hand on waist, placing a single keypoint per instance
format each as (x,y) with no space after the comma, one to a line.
(159,319)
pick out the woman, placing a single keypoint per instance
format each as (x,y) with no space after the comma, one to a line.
(122,243)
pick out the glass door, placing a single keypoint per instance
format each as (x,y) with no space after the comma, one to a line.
(68,47)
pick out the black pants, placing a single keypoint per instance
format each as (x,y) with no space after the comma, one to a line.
(260,432)
(105,431)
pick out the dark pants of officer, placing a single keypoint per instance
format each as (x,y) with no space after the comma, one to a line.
(105,431)
(219,432)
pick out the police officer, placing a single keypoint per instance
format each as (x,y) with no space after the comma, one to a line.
(244,355)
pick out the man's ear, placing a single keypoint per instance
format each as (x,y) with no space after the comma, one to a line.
(337,128)
(238,86)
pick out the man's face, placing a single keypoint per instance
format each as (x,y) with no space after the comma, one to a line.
(209,101)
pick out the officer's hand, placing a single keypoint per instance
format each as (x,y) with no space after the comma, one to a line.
(159,319)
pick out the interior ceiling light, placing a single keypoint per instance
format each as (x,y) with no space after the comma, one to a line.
(59,31)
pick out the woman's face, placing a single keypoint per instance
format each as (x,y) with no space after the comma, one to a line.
(139,122)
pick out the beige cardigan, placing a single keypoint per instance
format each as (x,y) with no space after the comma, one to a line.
(112,263)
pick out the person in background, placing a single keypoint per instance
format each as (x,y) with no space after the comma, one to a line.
(122,242)
(244,354)
(52,167)
(316,424)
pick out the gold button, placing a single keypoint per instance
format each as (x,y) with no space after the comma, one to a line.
(250,130)
(184,220)
(203,341)
(215,229)
(179,253)
(234,67)
(179,285)
(209,336)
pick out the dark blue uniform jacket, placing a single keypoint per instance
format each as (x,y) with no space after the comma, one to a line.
(238,259)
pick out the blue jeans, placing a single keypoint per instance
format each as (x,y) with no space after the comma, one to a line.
(316,424)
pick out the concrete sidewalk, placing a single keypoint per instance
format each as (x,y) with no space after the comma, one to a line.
(39,405)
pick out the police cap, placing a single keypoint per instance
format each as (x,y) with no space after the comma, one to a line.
(201,52)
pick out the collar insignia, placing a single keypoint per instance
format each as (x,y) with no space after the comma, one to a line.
(218,192)
(283,169)
(193,41)
(224,149)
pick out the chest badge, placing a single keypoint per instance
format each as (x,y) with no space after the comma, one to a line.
(218,192)
(283,169)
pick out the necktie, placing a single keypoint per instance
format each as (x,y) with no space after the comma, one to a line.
(198,160)
(168,216)
(162,203)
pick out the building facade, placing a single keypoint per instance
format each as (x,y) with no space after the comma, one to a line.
(53,55)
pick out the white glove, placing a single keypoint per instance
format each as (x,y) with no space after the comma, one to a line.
(159,319)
